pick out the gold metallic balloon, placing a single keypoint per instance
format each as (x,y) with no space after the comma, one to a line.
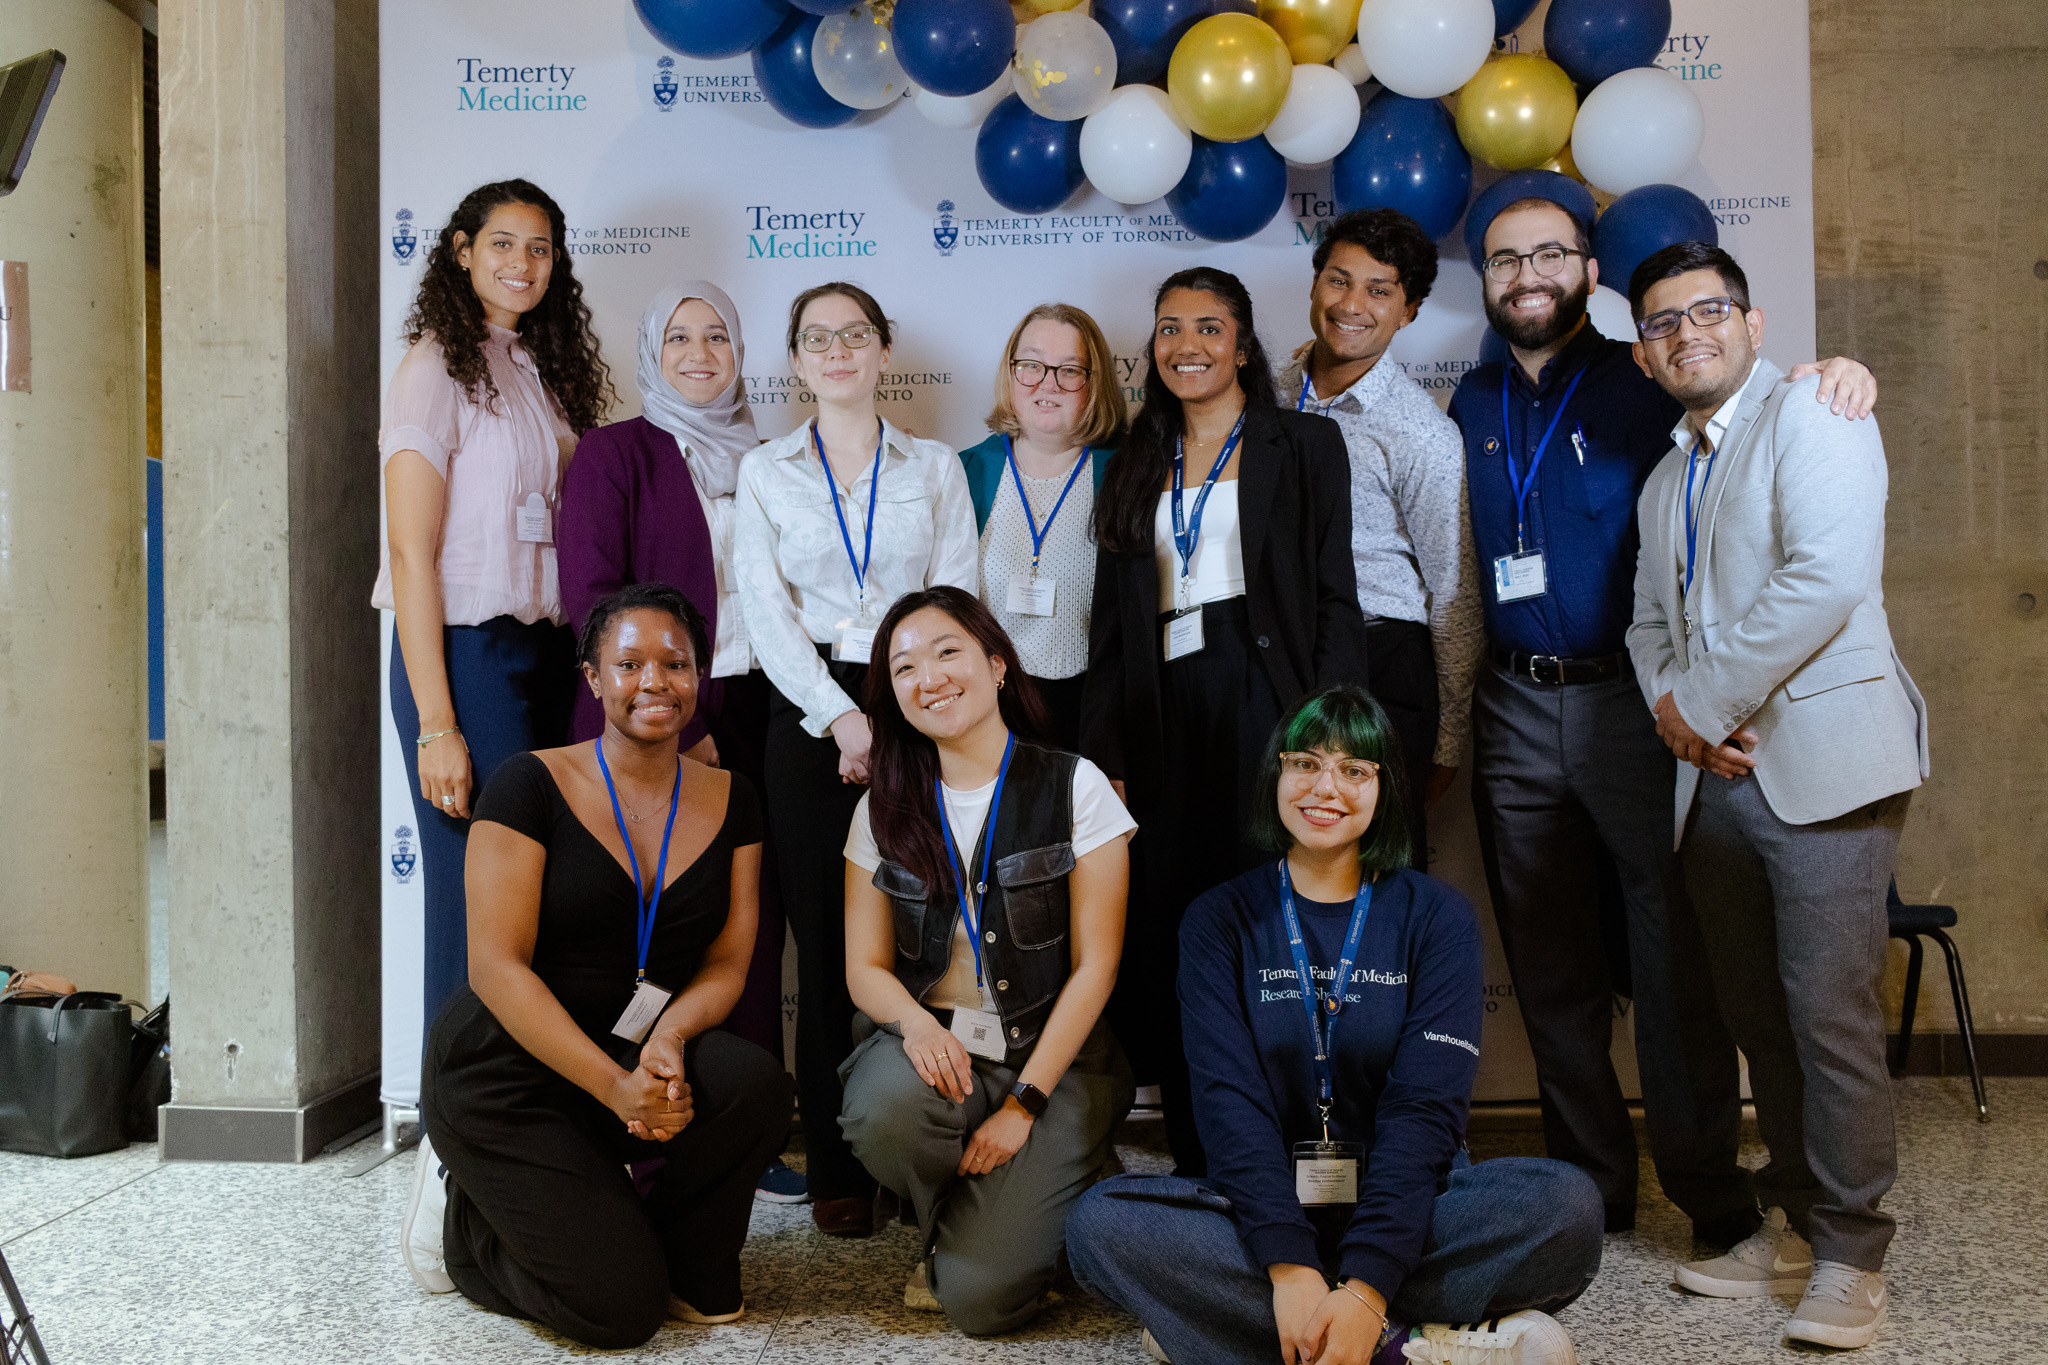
(1229,77)
(1027,10)
(1314,30)
(1517,111)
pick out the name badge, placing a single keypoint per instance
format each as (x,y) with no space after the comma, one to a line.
(1030,596)
(648,1001)
(855,644)
(982,1032)
(536,527)
(1183,633)
(1326,1172)
(1518,576)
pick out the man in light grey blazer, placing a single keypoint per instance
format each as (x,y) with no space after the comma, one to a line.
(1761,644)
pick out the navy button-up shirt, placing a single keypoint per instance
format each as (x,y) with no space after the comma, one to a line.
(1582,516)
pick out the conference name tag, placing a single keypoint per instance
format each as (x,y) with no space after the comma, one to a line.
(1183,633)
(982,1032)
(1326,1172)
(855,645)
(1030,596)
(535,526)
(1518,576)
(648,1001)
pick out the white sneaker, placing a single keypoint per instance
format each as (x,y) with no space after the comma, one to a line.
(1149,1344)
(1771,1260)
(419,1236)
(1843,1307)
(1525,1338)
(917,1290)
(679,1311)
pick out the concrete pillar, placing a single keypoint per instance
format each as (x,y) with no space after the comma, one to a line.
(269,202)
(74,793)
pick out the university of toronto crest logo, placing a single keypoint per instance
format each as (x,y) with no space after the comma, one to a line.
(404,241)
(665,83)
(405,854)
(945,233)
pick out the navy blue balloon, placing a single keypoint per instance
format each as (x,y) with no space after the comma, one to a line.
(1645,221)
(1406,155)
(825,9)
(1561,190)
(1231,190)
(782,68)
(1145,32)
(954,47)
(1593,39)
(709,29)
(1027,163)
(1508,15)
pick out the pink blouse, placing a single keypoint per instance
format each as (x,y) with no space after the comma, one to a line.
(493,461)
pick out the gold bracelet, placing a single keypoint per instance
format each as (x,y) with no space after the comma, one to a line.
(424,740)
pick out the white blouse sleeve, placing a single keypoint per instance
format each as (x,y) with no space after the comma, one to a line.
(778,637)
(956,545)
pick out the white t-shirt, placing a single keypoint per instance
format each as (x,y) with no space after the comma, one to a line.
(1098,818)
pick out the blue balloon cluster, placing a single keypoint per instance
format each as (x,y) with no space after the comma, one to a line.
(1231,190)
(954,47)
(710,29)
(1406,156)
(1593,39)
(1027,163)
(824,9)
(782,68)
(1645,221)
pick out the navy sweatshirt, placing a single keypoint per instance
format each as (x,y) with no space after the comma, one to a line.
(1405,1054)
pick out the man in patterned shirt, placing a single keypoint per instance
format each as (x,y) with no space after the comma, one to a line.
(1417,578)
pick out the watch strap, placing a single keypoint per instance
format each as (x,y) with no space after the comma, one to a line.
(1031,1097)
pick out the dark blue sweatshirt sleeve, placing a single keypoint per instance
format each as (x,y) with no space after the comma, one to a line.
(1420,1118)
(1234,1108)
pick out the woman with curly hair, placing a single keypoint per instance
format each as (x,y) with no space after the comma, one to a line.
(479,422)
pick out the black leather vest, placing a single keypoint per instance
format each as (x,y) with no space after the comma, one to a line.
(1025,958)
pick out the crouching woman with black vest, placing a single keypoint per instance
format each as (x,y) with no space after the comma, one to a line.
(985,884)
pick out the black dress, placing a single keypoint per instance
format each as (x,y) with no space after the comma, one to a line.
(543,1221)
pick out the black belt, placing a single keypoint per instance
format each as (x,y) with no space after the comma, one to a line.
(1552,671)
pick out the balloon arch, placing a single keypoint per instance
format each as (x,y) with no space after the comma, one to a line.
(1206,102)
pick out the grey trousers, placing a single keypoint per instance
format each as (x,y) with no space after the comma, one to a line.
(992,1242)
(1795,927)
(1567,781)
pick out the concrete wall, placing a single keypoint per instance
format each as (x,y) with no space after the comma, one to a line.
(1931,235)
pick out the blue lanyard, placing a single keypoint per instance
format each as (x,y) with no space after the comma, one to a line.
(1516,482)
(645,899)
(1301,403)
(1187,534)
(1322,1022)
(988,847)
(1038,536)
(860,566)
(1692,527)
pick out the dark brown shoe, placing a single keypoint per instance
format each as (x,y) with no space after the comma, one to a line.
(854,1217)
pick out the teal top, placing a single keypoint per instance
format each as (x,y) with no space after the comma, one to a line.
(985,467)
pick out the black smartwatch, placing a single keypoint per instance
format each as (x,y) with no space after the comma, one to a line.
(1031,1097)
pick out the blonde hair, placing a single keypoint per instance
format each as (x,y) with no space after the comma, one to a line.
(1106,416)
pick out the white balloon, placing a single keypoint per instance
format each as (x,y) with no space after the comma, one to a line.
(1610,314)
(1135,148)
(1351,62)
(1638,127)
(962,111)
(1318,119)
(1065,66)
(853,56)
(1425,50)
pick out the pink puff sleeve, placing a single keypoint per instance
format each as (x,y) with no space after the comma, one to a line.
(421,406)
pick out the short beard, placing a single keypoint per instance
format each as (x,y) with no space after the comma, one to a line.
(1533,334)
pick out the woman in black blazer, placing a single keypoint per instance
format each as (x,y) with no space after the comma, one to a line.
(1217,607)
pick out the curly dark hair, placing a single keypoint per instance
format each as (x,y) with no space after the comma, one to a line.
(1390,237)
(597,627)
(556,332)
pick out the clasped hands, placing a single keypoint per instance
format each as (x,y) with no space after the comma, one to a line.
(653,1099)
(1320,1325)
(1730,758)
(941,1062)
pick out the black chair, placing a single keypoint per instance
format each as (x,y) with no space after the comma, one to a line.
(1912,923)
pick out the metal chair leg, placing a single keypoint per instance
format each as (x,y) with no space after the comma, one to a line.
(19,1344)
(1908,1005)
(1963,1020)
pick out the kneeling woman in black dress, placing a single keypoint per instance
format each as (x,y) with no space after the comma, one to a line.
(602,878)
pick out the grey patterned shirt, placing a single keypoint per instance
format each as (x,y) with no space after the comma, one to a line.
(1411,538)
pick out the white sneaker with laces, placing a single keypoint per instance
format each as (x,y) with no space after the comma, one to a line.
(1149,1344)
(1843,1307)
(1525,1338)
(917,1290)
(419,1235)
(1771,1260)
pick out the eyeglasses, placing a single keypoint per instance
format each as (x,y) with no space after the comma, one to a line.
(1353,774)
(1067,378)
(820,338)
(1704,314)
(1503,266)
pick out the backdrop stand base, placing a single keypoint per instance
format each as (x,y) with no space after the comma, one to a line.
(396,1117)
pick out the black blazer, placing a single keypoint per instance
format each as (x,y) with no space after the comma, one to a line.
(1301,593)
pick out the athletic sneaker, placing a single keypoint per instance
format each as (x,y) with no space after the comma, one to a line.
(1525,1338)
(679,1311)
(917,1291)
(1843,1306)
(780,1185)
(419,1235)
(1149,1344)
(1770,1260)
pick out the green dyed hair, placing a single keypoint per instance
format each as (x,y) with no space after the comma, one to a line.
(1344,719)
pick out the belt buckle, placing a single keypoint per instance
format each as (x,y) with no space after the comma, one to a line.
(1554,661)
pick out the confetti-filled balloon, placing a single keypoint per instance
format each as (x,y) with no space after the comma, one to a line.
(854,56)
(1065,66)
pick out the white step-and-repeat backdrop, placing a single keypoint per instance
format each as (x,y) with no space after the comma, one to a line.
(670,168)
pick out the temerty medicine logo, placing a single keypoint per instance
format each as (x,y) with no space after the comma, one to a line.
(490,89)
(665,83)
(779,235)
(404,241)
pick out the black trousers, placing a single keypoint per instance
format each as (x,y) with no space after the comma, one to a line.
(543,1221)
(809,813)
(740,729)
(1404,680)
(1564,780)
(1062,698)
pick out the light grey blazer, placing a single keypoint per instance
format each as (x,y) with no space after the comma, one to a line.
(1787,601)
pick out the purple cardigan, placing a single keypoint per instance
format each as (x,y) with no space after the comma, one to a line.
(630,514)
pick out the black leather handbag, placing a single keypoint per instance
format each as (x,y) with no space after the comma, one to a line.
(65,1073)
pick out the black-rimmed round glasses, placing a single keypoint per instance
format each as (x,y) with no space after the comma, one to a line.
(1503,266)
(1066,378)
(820,338)
(1704,314)
(1352,774)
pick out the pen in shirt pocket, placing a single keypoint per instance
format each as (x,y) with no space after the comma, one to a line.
(1579,442)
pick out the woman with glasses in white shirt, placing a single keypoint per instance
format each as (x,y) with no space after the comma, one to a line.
(834,522)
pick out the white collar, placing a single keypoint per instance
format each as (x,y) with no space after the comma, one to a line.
(1717,425)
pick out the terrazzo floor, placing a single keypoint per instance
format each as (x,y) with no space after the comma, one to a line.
(125,1259)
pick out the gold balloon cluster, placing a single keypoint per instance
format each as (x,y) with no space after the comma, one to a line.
(1314,30)
(1517,112)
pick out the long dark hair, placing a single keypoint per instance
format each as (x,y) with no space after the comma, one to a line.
(904,762)
(555,332)
(1131,483)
